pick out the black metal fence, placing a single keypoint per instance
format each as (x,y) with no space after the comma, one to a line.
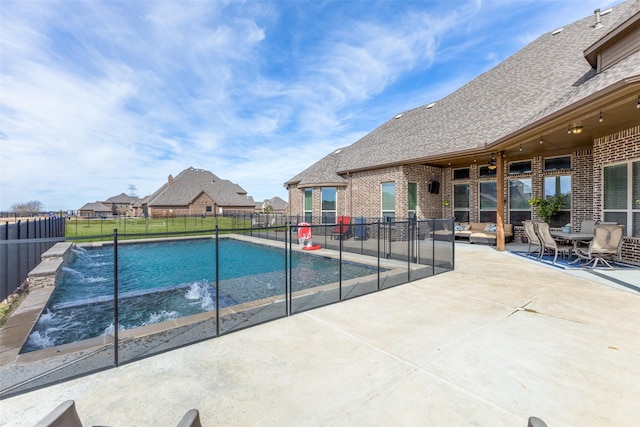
(21,245)
(393,253)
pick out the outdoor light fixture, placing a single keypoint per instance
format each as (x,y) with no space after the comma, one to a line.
(576,130)
(492,163)
(521,147)
(540,140)
(638,105)
(601,119)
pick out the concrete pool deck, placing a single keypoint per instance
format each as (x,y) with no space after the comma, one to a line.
(499,339)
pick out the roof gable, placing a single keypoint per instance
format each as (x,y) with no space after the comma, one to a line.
(191,182)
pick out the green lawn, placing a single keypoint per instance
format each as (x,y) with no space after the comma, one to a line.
(81,227)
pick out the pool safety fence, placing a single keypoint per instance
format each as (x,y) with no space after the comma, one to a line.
(22,244)
(364,257)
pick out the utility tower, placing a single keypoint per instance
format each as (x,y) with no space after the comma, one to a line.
(132,190)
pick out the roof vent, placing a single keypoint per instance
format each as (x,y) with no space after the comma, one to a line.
(398,116)
(558,31)
(606,12)
(431,105)
(337,151)
(598,22)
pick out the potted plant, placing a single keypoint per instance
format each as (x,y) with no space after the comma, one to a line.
(547,207)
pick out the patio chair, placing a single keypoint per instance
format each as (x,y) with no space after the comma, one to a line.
(532,237)
(605,246)
(548,242)
(190,419)
(64,415)
(343,229)
(587,226)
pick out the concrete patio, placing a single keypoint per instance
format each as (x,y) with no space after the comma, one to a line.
(498,340)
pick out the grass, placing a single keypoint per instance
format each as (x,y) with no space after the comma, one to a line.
(102,229)
(13,301)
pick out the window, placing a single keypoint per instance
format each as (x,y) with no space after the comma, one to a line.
(488,201)
(557,163)
(308,205)
(461,174)
(412,201)
(329,205)
(388,200)
(622,196)
(461,202)
(519,196)
(208,208)
(517,168)
(484,172)
(559,185)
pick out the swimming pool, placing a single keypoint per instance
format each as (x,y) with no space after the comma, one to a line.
(170,279)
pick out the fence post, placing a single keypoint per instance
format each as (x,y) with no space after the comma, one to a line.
(287,308)
(115,297)
(340,266)
(217,285)
(378,255)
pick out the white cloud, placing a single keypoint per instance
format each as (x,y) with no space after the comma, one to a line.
(99,95)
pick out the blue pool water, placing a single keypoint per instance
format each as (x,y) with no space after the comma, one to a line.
(170,279)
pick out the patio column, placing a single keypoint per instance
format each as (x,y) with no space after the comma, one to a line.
(501,199)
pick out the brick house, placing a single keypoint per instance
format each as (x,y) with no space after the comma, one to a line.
(196,192)
(122,204)
(94,210)
(560,116)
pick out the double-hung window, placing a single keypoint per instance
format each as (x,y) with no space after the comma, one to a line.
(556,186)
(519,196)
(622,196)
(488,201)
(461,202)
(308,205)
(412,199)
(388,190)
(329,205)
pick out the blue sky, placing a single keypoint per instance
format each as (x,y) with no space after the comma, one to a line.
(99,95)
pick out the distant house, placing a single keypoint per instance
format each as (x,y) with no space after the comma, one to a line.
(122,204)
(277,205)
(197,192)
(95,209)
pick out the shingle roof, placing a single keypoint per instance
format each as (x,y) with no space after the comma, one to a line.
(322,172)
(540,79)
(95,206)
(191,182)
(122,198)
(276,203)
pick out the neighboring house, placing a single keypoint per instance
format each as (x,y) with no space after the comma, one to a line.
(95,209)
(197,192)
(122,204)
(560,116)
(277,205)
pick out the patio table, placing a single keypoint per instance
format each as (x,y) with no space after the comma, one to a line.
(574,238)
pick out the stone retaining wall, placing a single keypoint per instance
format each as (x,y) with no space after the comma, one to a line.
(46,273)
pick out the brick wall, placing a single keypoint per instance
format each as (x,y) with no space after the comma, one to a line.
(582,187)
(610,149)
